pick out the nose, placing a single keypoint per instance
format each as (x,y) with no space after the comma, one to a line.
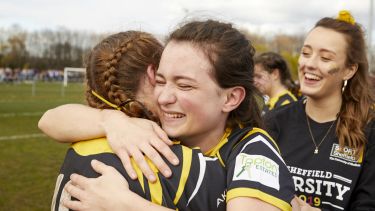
(256,83)
(166,95)
(307,62)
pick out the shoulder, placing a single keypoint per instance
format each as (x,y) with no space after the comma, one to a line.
(258,141)
(285,112)
(92,147)
(285,99)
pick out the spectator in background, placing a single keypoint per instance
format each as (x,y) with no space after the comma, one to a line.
(2,74)
(272,78)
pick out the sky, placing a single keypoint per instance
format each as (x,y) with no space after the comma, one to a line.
(265,17)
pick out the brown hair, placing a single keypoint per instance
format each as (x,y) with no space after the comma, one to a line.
(271,61)
(231,56)
(358,97)
(115,67)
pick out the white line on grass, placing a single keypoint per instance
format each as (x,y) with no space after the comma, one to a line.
(39,113)
(26,136)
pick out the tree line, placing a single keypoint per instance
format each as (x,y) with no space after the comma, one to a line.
(55,49)
(44,49)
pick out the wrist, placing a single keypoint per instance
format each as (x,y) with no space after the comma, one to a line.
(107,116)
(133,202)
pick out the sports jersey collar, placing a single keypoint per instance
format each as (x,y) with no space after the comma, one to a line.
(272,101)
(223,140)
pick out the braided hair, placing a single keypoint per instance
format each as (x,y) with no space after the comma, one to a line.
(114,69)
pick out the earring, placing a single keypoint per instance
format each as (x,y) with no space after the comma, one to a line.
(343,87)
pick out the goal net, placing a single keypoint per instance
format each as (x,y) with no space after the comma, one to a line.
(73,74)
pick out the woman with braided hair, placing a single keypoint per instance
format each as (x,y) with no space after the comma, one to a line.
(204,90)
(328,140)
(120,72)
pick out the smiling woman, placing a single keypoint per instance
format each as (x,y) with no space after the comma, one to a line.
(180,93)
(332,169)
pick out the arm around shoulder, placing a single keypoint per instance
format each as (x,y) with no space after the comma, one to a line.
(72,122)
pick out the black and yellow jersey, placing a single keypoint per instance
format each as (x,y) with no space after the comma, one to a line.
(182,191)
(245,162)
(283,98)
(254,167)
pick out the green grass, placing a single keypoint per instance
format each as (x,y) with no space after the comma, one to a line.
(29,166)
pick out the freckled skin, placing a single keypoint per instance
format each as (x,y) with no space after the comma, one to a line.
(333,71)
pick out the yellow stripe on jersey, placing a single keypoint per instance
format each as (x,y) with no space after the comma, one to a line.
(215,151)
(139,174)
(220,159)
(286,102)
(186,163)
(256,130)
(156,191)
(272,102)
(100,145)
(249,192)
(92,147)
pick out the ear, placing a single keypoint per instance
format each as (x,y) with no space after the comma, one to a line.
(151,71)
(350,71)
(275,75)
(233,98)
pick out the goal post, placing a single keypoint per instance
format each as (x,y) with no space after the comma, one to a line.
(68,70)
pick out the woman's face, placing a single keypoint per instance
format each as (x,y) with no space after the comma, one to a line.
(322,63)
(262,79)
(189,98)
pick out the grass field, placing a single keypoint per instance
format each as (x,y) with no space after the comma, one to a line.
(29,161)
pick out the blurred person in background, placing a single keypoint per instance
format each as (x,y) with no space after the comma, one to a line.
(273,79)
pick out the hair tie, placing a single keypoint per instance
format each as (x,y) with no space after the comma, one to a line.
(344,15)
(105,101)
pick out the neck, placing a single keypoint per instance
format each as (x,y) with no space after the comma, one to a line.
(324,109)
(205,140)
(277,89)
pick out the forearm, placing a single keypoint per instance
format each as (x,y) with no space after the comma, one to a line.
(72,122)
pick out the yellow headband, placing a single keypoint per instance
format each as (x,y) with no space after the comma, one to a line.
(105,101)
(344,15)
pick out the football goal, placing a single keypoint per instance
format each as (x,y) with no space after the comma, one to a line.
(73,74)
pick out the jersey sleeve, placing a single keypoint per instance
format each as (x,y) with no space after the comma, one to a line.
(255,169)
(364,192)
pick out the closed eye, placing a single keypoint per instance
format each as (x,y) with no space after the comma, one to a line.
(185,87)
(159,82)
(325,59)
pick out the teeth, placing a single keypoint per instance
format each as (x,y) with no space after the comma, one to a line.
(312,76)
(174,115)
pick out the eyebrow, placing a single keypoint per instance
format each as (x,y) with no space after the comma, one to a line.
(321,50)
(177,77)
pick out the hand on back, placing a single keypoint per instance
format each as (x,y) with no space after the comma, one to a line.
(136,138)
